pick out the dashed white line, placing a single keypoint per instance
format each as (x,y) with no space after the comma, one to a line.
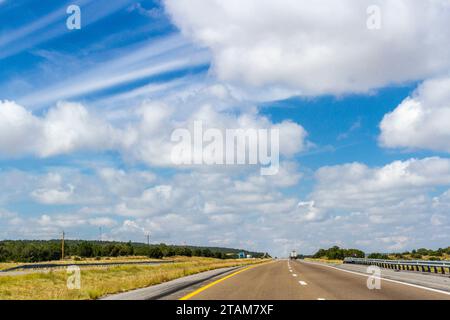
(320,299)
(303,283)
(294,275)
(381,278)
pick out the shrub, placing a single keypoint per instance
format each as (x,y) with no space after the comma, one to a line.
(156,253)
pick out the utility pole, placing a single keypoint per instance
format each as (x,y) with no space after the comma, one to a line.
(148,239)
(101,235)
(62,246)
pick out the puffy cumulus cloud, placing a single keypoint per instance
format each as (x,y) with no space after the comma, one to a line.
(309,212)
(396,242)
(102,222)
(159,199)
(239,205)
(150,139)
(421,121)
(412,173)
(144,137)
(66,187)
(54,196)
(64,129)
(92,188)
(371,213)
(121,182)
(383,208)
(358,187)
(318,47)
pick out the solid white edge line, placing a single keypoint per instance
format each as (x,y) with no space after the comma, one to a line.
(381,278)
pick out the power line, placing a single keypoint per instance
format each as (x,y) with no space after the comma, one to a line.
(62,246)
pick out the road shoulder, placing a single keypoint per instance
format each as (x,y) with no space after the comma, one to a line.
(173,289)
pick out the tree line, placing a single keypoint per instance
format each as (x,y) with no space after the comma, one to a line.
(416,254)
(336,253)
(37,251)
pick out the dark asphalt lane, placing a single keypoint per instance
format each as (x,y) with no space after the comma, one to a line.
(298,280)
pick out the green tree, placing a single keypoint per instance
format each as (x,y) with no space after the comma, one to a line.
(156,253)
(85,249)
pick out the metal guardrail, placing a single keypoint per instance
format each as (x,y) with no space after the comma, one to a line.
(442,267)
(93,264)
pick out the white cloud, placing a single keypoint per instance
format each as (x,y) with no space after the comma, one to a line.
(17,129)
(156,200)
(398,175)
(352,205)
(384,191)
(144,136)
(395,243)
(129,64)
(421,121)
(59,221)
(53,196)
(318,47)
(309,212)
(5,214)
(102,222)
(64,129)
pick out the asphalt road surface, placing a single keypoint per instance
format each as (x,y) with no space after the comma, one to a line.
(299,280)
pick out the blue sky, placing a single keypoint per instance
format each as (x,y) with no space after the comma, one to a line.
(86,117)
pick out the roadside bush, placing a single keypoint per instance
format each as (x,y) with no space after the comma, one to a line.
(336,253)
(377,255)
(156,253)
(434,259)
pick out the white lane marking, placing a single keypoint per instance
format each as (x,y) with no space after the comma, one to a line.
(290,270)
(381,278)
(320,299)
(303,283)
(294,275)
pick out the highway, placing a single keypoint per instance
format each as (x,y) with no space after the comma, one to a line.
(299,280)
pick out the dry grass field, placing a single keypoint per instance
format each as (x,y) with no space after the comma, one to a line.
(97,282)
(77,260)
(324,260)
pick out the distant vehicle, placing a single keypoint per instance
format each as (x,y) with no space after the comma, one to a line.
(293,255)
(249,256)
(241,255)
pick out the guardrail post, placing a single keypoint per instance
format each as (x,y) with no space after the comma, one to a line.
(404,265)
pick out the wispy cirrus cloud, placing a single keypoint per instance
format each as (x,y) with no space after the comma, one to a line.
(165,55)
(52,25)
